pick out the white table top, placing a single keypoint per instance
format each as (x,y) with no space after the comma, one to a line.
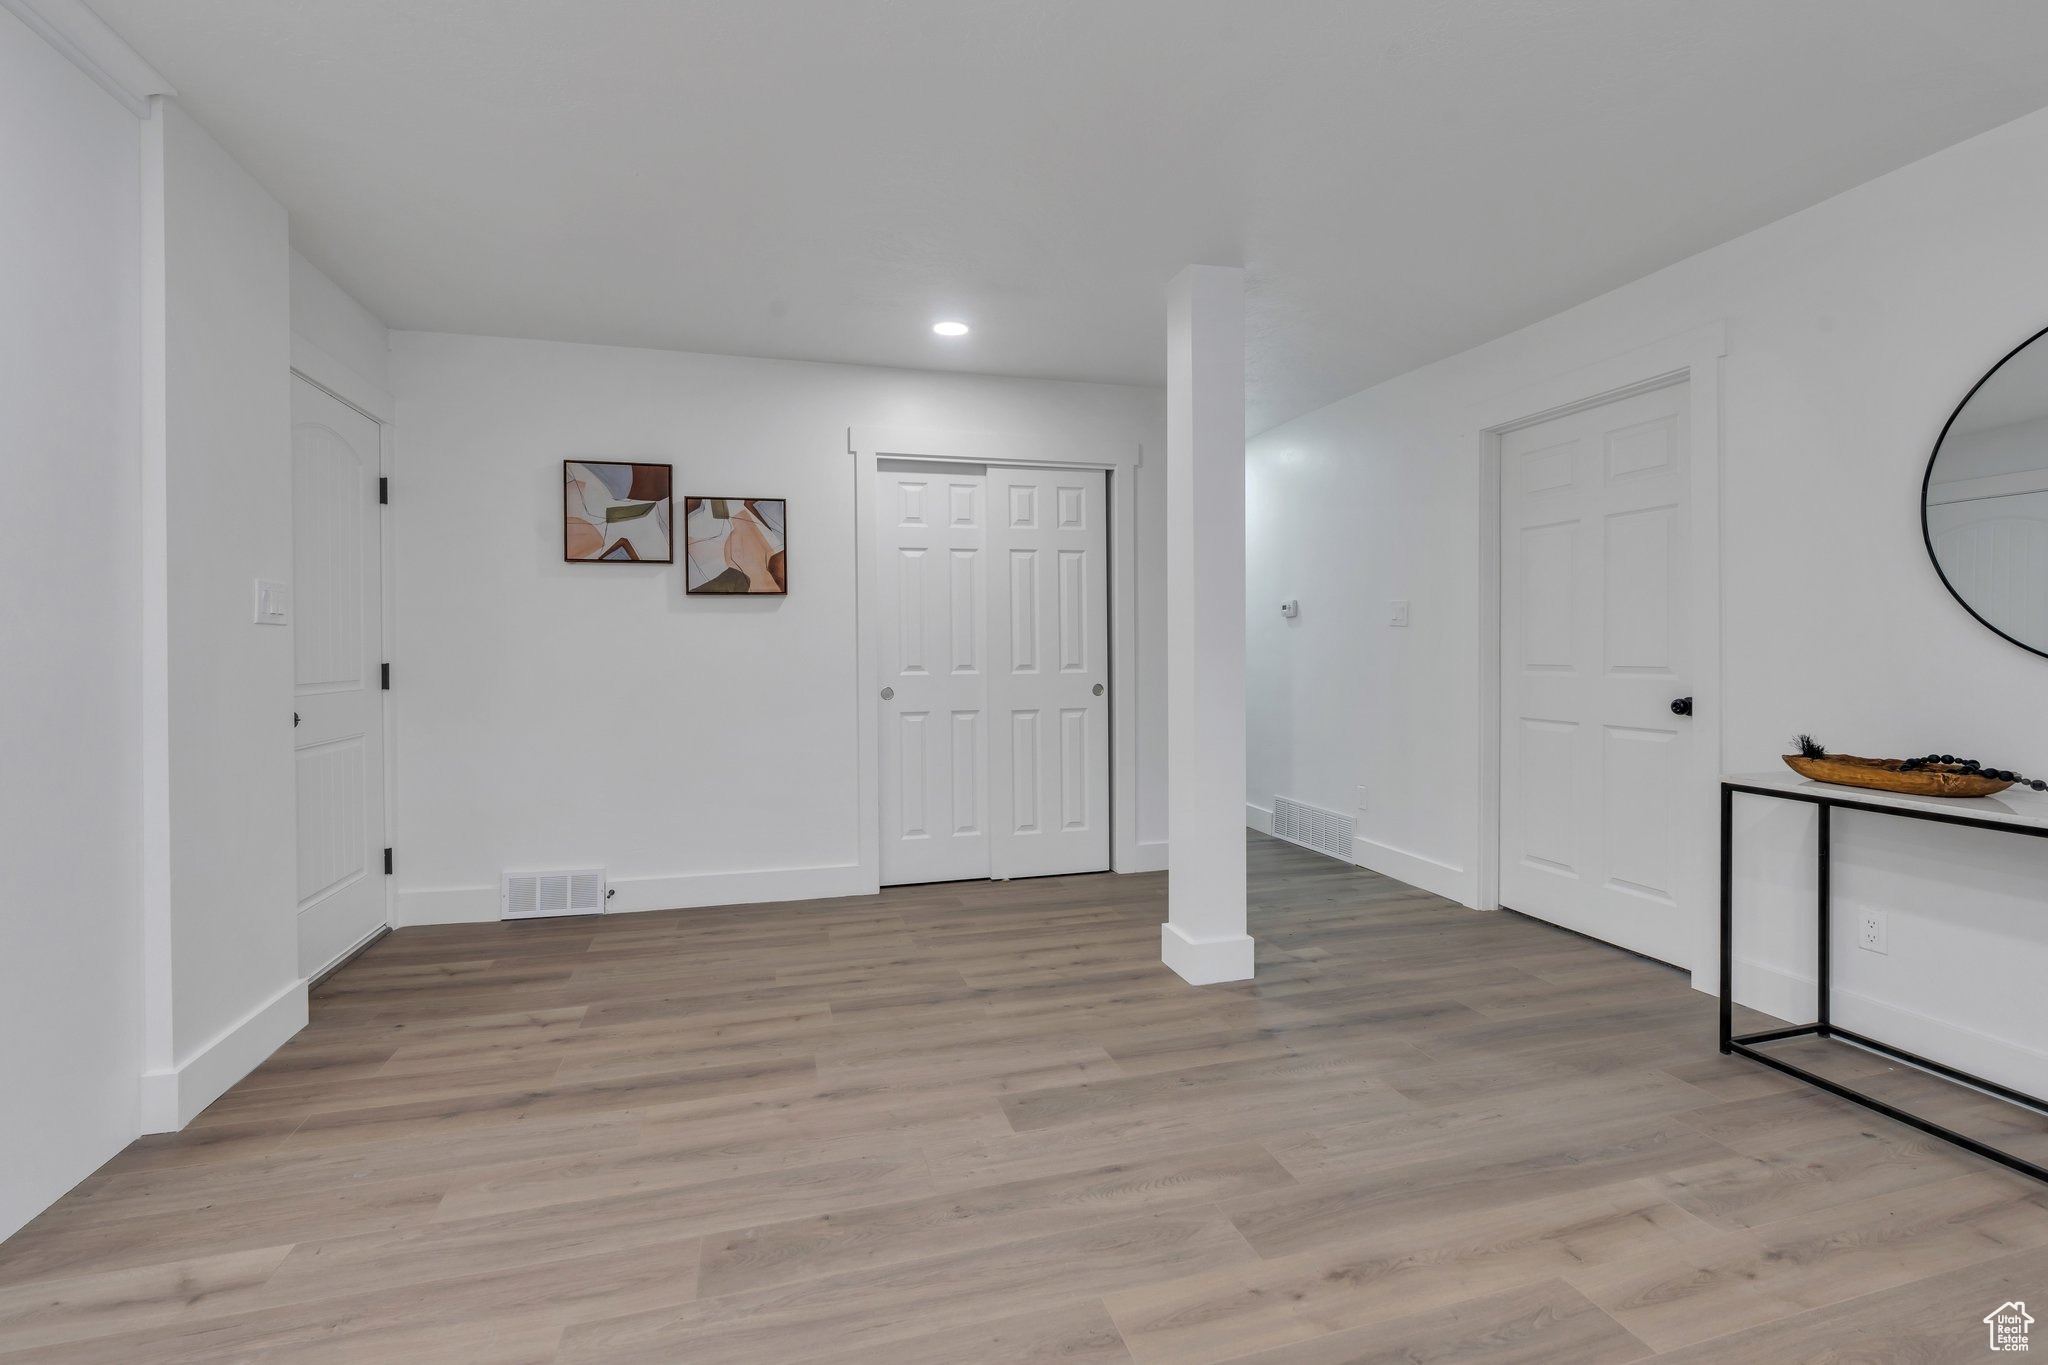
(2015,805)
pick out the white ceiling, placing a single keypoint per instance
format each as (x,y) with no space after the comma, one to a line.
(821,179)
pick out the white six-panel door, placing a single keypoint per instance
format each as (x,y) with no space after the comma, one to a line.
(1593,629)
(932,581)
(1048,689)
(994,643)
(337,646)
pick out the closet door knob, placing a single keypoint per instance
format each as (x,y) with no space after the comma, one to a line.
(1681,706)
(888,694)
(1098,689)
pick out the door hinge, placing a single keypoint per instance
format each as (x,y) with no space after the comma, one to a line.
(383,490)
(386,674)
(387,862)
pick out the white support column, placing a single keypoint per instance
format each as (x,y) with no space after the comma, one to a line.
(1204,937)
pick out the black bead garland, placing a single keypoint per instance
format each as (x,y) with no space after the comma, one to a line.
(1970,767)
(1966,767)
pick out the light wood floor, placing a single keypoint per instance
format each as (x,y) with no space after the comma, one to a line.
(981,1123)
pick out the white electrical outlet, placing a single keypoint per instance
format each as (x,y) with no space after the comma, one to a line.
(1870,931)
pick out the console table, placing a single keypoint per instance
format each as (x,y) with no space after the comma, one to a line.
(2025,814)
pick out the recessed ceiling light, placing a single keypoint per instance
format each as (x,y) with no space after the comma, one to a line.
(950,329)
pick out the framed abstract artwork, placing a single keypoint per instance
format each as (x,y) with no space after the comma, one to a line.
(738,545)
(617,513)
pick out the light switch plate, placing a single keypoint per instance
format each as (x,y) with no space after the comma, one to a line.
(273,602)
(1397,613)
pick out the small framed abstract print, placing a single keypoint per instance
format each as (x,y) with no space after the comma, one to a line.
(736,545)
(614,512)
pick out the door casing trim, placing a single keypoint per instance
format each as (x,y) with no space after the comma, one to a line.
(1692,358)
(869,446)
(343,384)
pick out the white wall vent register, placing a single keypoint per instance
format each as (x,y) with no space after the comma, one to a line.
(540,895)
(1312,827)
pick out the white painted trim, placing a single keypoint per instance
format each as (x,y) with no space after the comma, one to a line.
(1774,991)
(1119,459)
(1258,818)
(1206,962)
(328,968)
(1484,888)
(89,44)
(1790,995)
(341,382)
(991,447)
(1448,880)
(1148,855)
(1695,358)
(634,895)
(158,1025)
(867,723)
(1418,870)
(173,1096)
(1123,671)
(387,542)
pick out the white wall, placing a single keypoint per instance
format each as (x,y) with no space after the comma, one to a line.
(343,332)
(701,749)
(1853,329)
(70,576)
(221,933)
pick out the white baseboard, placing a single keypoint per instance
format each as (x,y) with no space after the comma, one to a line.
(1425,873)
(1148,855)
(1204,962)
(1781,994)
(172,1098)
(1790,996)
(328,969)
(479,904)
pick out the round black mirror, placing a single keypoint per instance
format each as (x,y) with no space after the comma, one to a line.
(1984,502)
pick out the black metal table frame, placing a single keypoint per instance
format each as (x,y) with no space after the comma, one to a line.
(1824,1027)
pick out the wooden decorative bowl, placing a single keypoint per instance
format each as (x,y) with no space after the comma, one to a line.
(1882,774)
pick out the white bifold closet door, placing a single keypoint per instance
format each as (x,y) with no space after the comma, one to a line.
(994,640)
